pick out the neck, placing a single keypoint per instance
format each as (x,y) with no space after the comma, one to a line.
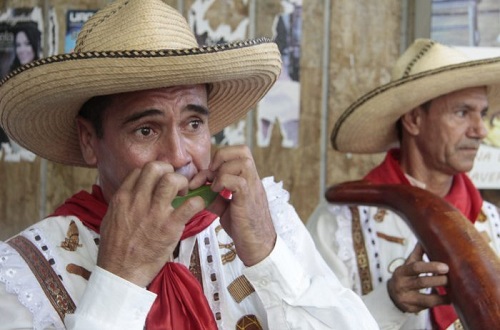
(412,163)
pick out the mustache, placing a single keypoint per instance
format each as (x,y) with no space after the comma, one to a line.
(470,144)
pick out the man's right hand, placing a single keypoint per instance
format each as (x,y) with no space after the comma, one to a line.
(414,275)
(141,229)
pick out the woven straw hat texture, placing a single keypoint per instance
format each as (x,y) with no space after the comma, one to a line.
(127,46)
(426,70)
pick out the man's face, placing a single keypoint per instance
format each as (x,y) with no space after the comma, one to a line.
(451,130)
(168,124)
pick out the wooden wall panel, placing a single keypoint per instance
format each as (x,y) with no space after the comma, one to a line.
(19,196)
(365,38)
(298,168)
(363,45)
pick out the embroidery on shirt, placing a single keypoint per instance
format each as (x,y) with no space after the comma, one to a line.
(240,288)
(360,251)
(393,239)
(458,325)
(78,270)
(72,240)
(248,322)
(380,215)
(482,217)
(228,256)
(194,264)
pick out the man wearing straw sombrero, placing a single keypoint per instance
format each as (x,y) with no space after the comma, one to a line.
(429,120)
(139,100)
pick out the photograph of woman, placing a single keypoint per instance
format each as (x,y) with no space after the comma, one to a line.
(26,48)
(27,43)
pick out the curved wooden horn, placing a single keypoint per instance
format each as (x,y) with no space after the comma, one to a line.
(446,236)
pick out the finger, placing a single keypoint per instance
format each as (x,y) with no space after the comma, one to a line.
(431,267)
(218,206)
(187,210)
(232,183)
(201,178)
(418,268)
(430,300)
(130,180)
(416,254)
(148,179)
(167,187)
(224,155)
(424,282)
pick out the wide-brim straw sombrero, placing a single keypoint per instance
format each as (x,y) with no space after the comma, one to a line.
(426,70)
(127,46)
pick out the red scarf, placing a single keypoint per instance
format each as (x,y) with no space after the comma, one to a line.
(180,303)
(463,195)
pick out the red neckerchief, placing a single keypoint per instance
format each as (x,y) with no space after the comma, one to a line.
(180,302)
(463,195)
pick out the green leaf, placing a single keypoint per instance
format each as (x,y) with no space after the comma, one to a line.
(204,192)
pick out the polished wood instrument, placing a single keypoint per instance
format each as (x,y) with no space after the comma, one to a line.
(446,236)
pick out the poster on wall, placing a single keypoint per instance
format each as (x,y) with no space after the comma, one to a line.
(21,42)
(211,28)
(74,22)
(282,103)
(22,30)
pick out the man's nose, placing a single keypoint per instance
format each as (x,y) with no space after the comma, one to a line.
(478,128)
(173,150)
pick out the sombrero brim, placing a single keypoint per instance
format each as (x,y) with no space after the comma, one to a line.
(369,124)
(39,102)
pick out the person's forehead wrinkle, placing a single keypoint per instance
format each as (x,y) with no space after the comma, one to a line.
(138,115)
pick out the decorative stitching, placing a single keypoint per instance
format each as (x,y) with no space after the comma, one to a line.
(419,55)
(87,31)
(240,288)
(46,276)
(360,251)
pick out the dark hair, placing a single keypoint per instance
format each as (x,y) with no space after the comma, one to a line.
(34,37)
(399,125)
(93,110)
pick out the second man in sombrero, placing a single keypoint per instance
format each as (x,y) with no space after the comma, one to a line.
(429,120)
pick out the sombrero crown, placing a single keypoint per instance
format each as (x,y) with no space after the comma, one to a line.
(426,70)
(127,46)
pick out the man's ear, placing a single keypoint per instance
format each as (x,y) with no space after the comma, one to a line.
(412,120)
(87,137)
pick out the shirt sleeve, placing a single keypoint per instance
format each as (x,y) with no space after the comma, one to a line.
(297,298)
(323,226)
(387,315)
(110,302)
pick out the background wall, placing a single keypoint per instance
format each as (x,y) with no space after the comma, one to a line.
(348,48)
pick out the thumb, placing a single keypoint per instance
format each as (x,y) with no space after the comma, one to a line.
(416,254)
(219,206)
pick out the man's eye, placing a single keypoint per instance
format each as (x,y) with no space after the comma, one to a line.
(195,123)
(145,131)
